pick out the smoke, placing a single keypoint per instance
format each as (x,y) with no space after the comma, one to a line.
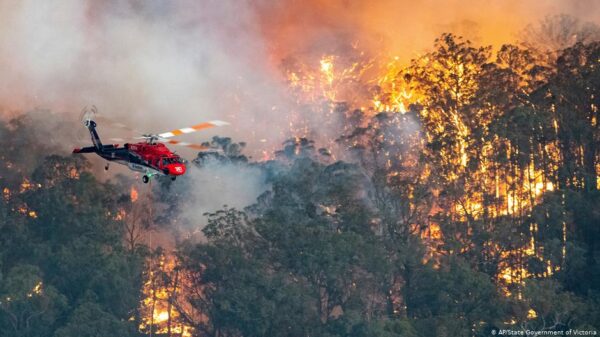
(156,65)
(405,28)
(163,64)
(159,65)
(218,184)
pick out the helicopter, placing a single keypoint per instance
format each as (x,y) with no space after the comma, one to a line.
(151,156)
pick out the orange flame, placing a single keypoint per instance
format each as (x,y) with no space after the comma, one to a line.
(133,194)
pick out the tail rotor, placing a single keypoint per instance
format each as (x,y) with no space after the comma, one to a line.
(88,115)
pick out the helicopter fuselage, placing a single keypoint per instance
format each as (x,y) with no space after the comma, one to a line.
(149,158)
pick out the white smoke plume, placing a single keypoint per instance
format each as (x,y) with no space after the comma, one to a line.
(217,185)
(155,65)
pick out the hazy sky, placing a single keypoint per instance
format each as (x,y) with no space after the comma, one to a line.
(166,64)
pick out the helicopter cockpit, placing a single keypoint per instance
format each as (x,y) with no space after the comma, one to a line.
(171,160)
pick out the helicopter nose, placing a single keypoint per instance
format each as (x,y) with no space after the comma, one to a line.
(176,169)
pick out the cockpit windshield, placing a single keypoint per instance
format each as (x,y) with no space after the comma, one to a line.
(172,160)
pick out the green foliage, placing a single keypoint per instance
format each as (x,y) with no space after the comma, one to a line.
(228,151)
(89,320)
(554,308)
(27,305)
(63,266)
(453,301)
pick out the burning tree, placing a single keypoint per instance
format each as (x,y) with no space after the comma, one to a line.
(468,183)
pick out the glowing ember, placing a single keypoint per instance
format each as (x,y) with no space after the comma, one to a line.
(26,185)
(37,290)
(133,194)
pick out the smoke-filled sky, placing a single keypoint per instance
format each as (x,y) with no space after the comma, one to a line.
(405,27)
(162,64)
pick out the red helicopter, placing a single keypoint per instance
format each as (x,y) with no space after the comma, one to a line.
(149,157)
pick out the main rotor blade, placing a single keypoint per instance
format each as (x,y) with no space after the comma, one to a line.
(194,128)
(190,145)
